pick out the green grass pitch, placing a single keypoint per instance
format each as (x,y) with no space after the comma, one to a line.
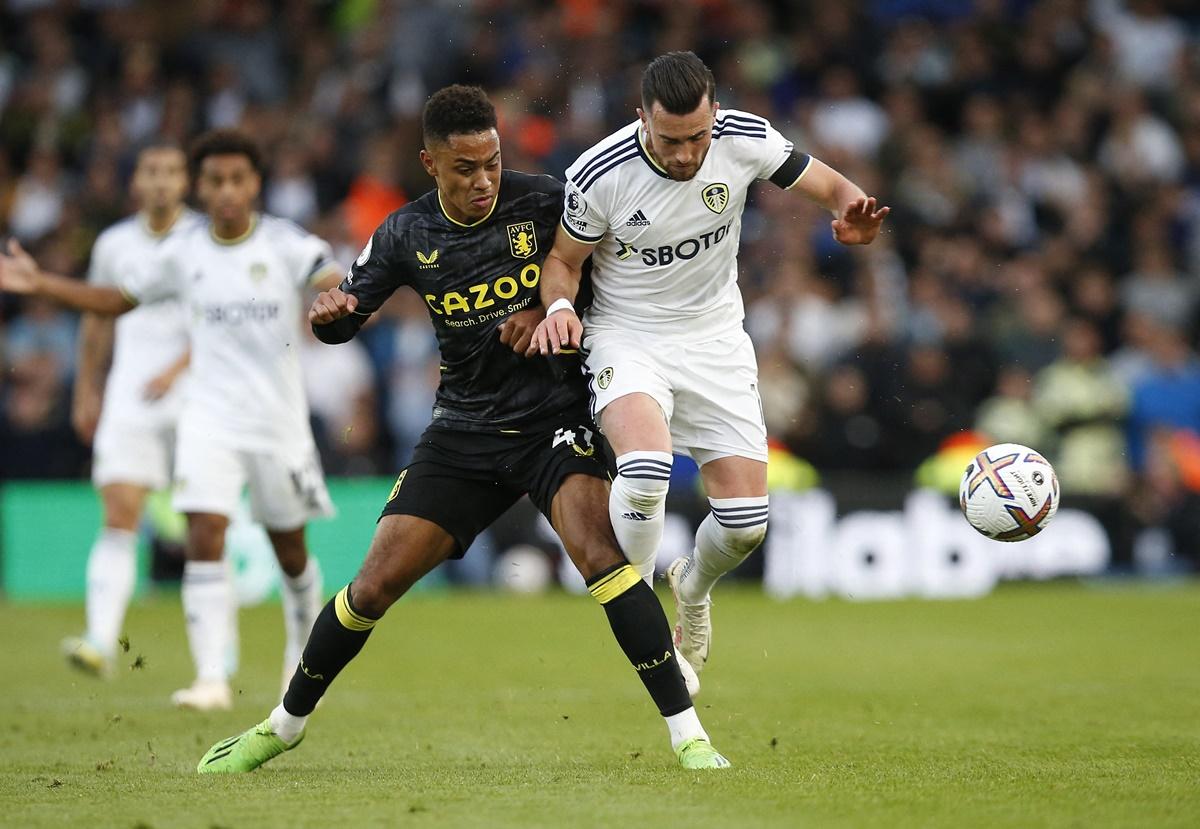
(1042,705)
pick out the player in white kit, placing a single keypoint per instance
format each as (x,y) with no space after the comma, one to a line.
(244,279)
(127,397)
(658,205)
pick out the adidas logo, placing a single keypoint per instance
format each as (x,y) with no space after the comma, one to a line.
(635,516)
(638,219)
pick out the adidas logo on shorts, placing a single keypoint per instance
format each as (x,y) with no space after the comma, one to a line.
(638,219)
(635,516)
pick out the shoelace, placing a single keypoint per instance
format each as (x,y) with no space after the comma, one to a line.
(699,624)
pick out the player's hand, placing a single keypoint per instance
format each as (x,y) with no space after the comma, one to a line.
(18,272)
(516,332)
(158,386)
(859,222)
(560,331)
(331,305)
(85,414)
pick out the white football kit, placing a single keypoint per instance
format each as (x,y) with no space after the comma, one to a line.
(135,437)
(667,315)
(245,419)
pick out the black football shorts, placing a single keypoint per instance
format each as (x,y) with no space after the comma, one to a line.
(463,481)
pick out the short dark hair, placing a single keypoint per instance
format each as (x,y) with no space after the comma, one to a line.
(160,143)
(457,110)
(224,142)
(679,81)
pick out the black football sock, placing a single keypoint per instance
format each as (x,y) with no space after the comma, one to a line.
(337,636)
(641,628)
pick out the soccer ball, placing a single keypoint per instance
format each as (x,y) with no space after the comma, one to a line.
(1009,492)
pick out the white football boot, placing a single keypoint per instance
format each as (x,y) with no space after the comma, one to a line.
(693,622)
(204,695)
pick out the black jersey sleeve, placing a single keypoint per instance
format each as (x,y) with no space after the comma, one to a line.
(379,270)
(374,276)
(339,331)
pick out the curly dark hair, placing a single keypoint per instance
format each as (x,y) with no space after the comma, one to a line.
(457,110)
(679,81)
(224,142)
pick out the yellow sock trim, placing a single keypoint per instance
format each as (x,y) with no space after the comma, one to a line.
(614,584)
(346,615)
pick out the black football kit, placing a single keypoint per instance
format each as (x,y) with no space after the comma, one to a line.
(503,424)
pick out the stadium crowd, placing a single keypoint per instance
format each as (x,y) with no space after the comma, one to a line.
(1038,279)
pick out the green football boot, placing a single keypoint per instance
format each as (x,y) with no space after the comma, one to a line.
(245,752)
(698,753)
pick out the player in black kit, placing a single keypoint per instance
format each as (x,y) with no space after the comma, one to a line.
(503,425)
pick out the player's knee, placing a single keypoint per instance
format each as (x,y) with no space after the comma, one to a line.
(122,518)
(122,506)
(642,481)
(598,556)
(646,497)
(740,524)
(205,538)
(373,596)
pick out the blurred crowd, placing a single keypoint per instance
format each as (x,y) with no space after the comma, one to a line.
(1038,280)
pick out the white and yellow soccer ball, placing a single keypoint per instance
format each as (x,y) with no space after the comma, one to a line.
(1009,492)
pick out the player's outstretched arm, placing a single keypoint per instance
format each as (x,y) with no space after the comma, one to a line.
(20,274)
(561,274)
(858,217)
(332,316)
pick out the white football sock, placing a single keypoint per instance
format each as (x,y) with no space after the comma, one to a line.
(636,507)
(684,726)
(301,603)
(111,576)
(732,531)
(287,727)
(208,612)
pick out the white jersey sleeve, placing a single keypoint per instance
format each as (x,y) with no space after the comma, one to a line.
(156,278)
(583,218)
(586,208)
(775,157)
(312,257)
(100,270)
(768,154)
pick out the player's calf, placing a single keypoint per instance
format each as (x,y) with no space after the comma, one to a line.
(339,633)
(636,506)
(732,531)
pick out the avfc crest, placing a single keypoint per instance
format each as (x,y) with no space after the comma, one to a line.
(522,240)
(716,196)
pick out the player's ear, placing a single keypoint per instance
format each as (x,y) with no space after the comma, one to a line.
(427,162)
(642,115)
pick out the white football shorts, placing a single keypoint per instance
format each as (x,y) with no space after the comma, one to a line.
(287,489)
(124,452)
(708,391)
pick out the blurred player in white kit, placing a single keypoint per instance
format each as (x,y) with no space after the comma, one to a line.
(127,397)
(244,279)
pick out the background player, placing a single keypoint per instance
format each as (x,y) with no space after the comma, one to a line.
(658,204)
(244,277)
(502,425)
(127,397)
